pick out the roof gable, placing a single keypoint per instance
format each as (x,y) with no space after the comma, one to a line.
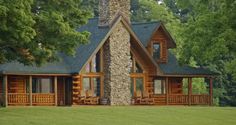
(110,29)
(146,31)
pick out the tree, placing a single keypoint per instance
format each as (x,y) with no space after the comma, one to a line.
(34,31)
(209,39)
(92,6)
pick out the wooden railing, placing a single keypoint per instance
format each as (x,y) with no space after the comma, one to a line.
(178,99)
(200,99)
(43,99)
(184,99)
(37,99)
(18,98)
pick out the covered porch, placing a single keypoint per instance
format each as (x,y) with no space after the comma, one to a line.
(175,95)
(170,91)
(34,90)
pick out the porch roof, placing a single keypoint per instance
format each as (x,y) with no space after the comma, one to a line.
(172,67)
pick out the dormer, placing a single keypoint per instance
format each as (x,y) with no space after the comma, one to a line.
(159,44)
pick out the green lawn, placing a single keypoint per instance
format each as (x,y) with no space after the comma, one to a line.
(131,115)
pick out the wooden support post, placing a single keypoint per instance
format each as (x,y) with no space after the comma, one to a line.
(189,90)
(211,92)
(55,89)
(30,90)
(5,90)
(102,87)
(167,91)
(101,60)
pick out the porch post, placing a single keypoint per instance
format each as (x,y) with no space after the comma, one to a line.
(55,89)
(189,90)
(167,90)
(30,90)
(211,92)
(5,90)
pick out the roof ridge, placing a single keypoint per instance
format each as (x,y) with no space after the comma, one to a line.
(151,22)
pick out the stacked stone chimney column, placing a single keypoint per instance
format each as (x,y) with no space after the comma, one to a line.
(117,59)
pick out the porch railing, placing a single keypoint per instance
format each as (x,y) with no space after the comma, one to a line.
(43,99)
(178,99)
(202,99)
(37,99)
(18,98)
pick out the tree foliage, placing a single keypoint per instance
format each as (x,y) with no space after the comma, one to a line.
(34,31)
(209,39)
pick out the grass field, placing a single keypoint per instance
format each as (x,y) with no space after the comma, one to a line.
(136,115)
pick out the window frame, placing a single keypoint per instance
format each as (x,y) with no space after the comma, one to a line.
(160,51)
(91,82)
(134,67)
(162,89)
(90,63)
(133,77)
(52,89)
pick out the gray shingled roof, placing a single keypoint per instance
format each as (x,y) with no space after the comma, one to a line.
(144,31)
(85,51)
(69,64)
(172,67)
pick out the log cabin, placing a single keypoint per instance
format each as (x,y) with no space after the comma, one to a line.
(124,63)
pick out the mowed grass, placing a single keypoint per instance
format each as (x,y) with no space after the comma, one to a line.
(106,115)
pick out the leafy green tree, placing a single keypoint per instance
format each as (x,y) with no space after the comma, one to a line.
(92,6)
(34,31)
(209,39)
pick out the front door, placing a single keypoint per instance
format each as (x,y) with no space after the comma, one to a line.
(64,91)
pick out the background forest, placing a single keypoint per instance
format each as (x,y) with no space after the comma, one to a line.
(205,33)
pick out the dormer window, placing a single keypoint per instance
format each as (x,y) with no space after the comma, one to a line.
(156,51)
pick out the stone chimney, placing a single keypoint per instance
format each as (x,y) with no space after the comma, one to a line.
(117,59)
(108,9)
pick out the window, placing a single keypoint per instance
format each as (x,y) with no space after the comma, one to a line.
(136,68)
(159,86)
(92,84)
(156,50)
(96,86)
(139,84)
(136,85)
(42,85)
(93,65)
